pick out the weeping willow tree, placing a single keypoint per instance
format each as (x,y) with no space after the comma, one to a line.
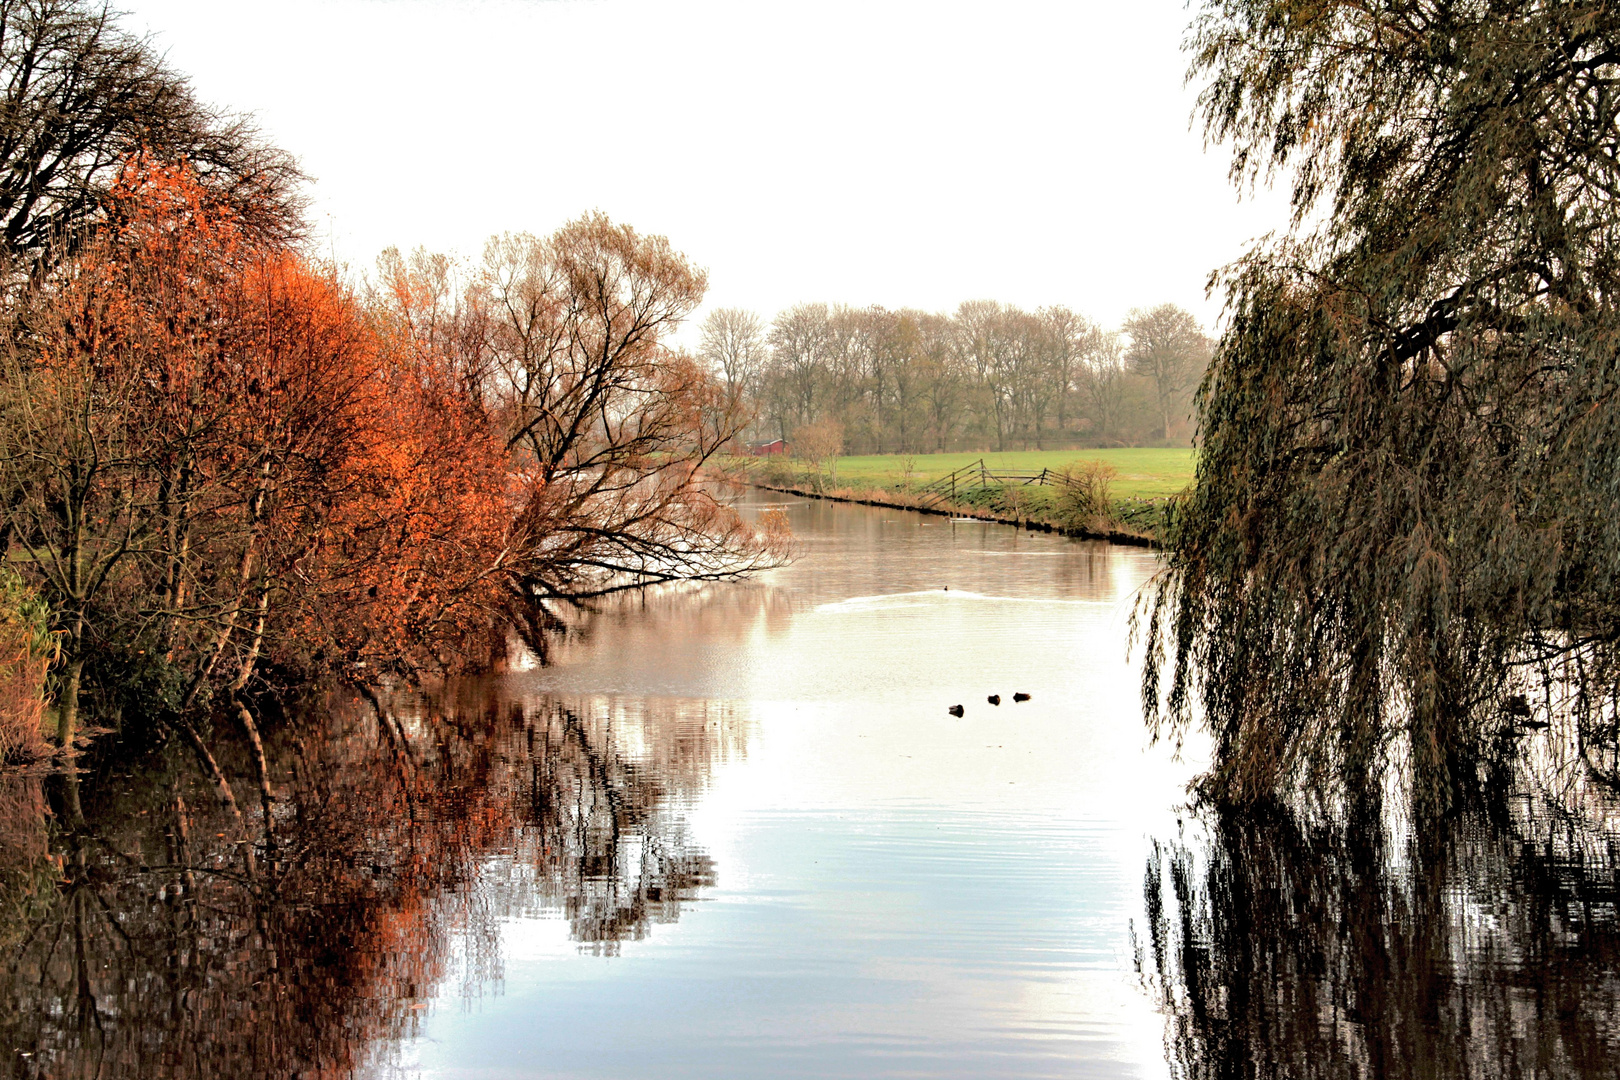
(1402,546)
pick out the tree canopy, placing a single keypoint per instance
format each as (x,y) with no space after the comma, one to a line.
(1168,348)
(79,96)
(1404,535)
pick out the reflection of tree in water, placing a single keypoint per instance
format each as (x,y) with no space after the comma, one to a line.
(1284,949)
(665,614)
(601,838)
(146,934)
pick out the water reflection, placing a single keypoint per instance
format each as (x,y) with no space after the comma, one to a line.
(605,842)
(686,637)
(902,892)
(738,813)
(1484,946)
(141,941)
(733,832)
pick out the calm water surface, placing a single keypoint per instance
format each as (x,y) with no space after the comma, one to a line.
(731,831)
(895,892)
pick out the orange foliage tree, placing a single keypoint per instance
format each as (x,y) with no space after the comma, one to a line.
(408,566)
(222,467)
(562,344)
(212,454)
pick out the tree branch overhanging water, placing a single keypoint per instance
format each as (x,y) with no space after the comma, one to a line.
(1408,432)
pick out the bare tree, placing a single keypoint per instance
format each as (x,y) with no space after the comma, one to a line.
(609,424)
(734,345)
(818,444)
(78,97)
(801,344)
(899,368)
(1168,347)
(1066,339)
(943,381)
(860,370)
(986,348)
(1104,382)
(1030,379)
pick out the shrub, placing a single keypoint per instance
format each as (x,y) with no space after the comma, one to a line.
(1083,494)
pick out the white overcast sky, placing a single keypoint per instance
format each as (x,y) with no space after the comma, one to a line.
(904,154)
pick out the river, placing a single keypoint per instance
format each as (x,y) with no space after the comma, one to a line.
(731,830)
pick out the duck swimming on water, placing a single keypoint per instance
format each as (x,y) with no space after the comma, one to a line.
(994,699)
(955,710)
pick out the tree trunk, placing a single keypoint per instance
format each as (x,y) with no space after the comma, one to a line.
(261,767)
(67,709)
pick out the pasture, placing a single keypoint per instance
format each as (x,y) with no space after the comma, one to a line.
(1142,472)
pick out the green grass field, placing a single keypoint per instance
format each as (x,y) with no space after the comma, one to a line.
(1143,472)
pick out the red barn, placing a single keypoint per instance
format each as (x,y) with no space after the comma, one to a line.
(769,449)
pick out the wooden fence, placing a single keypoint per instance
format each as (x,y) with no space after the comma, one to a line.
(979,475)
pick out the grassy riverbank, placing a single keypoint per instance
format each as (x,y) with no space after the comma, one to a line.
(1118,494)
(1140,472)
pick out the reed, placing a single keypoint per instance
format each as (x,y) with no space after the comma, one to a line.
(27,649)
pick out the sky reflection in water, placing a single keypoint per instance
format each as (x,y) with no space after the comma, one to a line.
(898,892)
(733,832)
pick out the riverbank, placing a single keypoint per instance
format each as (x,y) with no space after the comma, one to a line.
(1116,533)
(1077,496)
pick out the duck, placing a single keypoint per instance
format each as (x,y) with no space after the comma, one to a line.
(994,699)
(955,710)
(1020,696)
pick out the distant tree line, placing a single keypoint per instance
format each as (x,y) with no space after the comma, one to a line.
(990,376)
